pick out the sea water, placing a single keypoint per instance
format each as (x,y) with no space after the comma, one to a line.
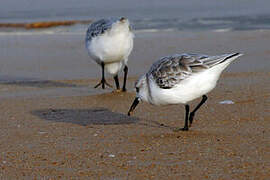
(152,15)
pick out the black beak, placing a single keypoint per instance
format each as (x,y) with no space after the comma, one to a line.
(133,106)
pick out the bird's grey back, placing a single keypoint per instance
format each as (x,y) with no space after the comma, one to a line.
(99,27)
(170,70)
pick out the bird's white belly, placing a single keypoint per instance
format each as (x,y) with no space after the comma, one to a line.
(188,89)
(111,47)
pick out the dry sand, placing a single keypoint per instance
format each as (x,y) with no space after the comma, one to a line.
(65,129)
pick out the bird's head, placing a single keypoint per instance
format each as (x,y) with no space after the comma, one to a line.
(141,93)
(122,19)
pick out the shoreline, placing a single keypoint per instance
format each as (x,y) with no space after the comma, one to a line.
(25,63)
(31,89)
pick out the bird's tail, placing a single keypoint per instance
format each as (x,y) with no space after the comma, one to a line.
(215,60)
(231,57)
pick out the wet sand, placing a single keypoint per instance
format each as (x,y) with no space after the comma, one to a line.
(54,125)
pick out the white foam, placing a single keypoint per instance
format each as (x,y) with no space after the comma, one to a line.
(154,30)
(223,30)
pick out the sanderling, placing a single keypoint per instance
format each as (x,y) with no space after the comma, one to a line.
(179,79)
(109,42)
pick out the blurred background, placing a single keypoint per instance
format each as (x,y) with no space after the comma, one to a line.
(151,14)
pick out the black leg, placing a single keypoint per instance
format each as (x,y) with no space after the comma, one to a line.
(185,128)
(103,81)
(116,81)
(125,78)
(192,114)
(103,76)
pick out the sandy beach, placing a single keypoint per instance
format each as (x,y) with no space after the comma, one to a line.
(55,125)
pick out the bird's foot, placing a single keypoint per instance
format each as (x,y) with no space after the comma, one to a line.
(124,89)
(180,129)
(119,90)
(116,91)
(103,82)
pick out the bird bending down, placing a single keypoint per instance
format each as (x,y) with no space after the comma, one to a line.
(109,42)
(179,79)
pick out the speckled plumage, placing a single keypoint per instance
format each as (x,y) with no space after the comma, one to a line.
(109,42)
(170,70)
(99,27)
(179,79)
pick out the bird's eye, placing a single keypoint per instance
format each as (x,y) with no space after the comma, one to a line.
(137,89)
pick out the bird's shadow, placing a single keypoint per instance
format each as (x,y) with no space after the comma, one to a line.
(84,117)
(94,116)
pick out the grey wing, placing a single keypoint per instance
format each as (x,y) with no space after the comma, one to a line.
(170,70)
(99,27)
(200,62)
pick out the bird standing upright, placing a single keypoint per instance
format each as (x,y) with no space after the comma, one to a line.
(179,79)
(109,43)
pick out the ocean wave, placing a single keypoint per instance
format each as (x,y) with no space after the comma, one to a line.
(64,31)
(154,30)
(223,30)
(218,24)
